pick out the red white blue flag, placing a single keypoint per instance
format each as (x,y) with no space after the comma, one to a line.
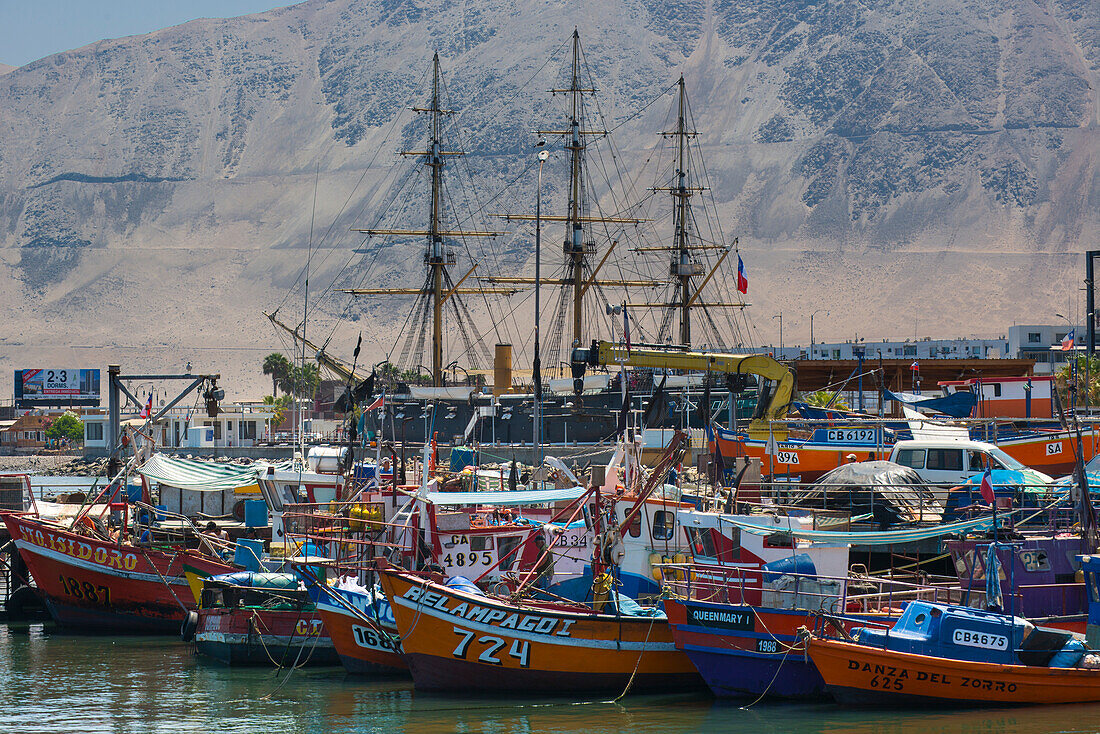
(1067,341)
(742,276)
(987,488)
(147,411)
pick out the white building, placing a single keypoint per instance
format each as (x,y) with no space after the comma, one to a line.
(918,348)
(244,425)
(1043,344)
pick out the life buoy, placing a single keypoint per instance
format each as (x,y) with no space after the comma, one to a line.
(189,626)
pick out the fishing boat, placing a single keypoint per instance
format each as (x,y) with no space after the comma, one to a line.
(944,654)
(362,628)
(92,582)
(457,638)
(1039,573)
(823,445)
(247,618)
(751,649)
(740,626)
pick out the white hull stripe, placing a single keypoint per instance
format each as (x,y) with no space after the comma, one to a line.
(90,566)
(545,639)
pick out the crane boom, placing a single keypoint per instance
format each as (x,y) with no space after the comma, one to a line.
(775,399)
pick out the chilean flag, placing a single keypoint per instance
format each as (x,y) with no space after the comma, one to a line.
(742,276)
(1067,341)
(147,411)
(987,488)
(377,403)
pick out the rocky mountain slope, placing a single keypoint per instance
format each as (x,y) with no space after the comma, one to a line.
(912,167)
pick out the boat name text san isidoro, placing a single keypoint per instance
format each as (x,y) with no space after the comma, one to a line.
(487,615)
(109,558)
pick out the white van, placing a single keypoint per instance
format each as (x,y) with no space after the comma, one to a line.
(949,463)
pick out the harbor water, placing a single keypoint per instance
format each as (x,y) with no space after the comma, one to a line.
(54,681)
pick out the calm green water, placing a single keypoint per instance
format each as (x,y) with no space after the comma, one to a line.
(57,682)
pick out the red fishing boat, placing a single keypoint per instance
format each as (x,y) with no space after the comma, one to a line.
(258,618)
(94,583)
(256,636)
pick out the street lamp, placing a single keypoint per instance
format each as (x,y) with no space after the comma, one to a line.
(815,313)
(536,371)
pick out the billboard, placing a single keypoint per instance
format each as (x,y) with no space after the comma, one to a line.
(56,387)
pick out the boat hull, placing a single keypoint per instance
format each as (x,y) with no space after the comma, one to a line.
(279,638)
(861,675)
(457,641)
(1052,453)
(94,585)
(753,651)
(360,647)
(756,659)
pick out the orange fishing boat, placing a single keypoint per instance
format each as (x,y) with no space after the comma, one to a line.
(1052,452)
(362,632)
(459,639)
(861,674)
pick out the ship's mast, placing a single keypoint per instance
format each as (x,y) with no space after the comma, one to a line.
(578,276)
(683,267)
(437,256)
(435,238)
(574,241)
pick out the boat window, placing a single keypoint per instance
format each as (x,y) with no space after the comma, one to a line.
(779,540)
(945,459)
(702,544)
(960,565)
(635,527)
(976,463)
(1092,588)
(481,542)
(508,543)
(664,524)
(920,619)
(912,458)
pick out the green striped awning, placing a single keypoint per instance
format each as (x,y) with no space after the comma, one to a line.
(202,476)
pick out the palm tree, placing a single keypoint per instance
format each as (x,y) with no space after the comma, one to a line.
(278,367)
(821,398)
(301,381)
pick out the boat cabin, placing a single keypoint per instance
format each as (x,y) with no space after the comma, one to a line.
(1038,575)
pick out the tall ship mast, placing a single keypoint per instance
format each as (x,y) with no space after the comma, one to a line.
(686,267)
(579,277)
(439,289)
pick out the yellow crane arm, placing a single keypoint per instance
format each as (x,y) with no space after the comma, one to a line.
(777,396)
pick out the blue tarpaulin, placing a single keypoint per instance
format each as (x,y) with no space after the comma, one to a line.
(956,405)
